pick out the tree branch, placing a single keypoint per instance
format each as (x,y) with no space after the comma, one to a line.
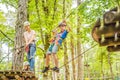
(4,58)
(6,36)
(8,3)
(41,32)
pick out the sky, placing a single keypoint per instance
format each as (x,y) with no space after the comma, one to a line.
(5,8)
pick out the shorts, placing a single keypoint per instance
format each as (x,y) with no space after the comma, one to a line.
(52,49)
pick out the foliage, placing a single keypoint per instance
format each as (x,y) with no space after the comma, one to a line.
(48,19)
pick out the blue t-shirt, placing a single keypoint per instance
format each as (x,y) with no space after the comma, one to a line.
(63,36)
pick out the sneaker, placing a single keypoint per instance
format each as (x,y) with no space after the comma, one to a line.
(45,70)
(56,69)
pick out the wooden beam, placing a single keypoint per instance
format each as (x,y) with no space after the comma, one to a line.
(113,48)
(107,30)
(110,42)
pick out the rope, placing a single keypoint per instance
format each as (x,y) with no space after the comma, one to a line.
(74,57)
(78,56)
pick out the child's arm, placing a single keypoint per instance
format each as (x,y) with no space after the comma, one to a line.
(54,31)
(68,28)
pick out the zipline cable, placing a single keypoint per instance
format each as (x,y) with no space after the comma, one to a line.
(75,57)
(78,56)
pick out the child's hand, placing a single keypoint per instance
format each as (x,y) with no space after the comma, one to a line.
(51,40)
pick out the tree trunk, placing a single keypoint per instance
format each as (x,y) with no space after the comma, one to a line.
(37,9)
(102,71)
(8,57)
(80,62)
(46,41)
(73,54)
(18,55)
(110,64)
(67,74)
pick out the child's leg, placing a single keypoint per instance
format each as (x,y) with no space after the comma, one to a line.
(46,63)
(55,60)
(54,51)
(47,60)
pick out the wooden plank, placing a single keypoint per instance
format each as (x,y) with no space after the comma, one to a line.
(18,74)
(107,30)
(113,48)
(110,42)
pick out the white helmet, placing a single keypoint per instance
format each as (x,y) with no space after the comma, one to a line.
(26,63)
(26,23)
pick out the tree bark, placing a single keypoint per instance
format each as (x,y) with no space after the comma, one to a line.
(18,55)
(73,54)
(38,14)
(80,67)
(46,40)
(67,74)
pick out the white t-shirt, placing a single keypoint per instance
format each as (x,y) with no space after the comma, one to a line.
(28,35)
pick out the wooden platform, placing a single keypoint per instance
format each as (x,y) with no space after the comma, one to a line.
(106,31)
(17,75)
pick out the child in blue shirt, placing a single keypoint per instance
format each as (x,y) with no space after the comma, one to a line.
(54,44)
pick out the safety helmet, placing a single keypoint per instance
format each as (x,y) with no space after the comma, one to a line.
(26,63)
(61,24)
(26,23)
